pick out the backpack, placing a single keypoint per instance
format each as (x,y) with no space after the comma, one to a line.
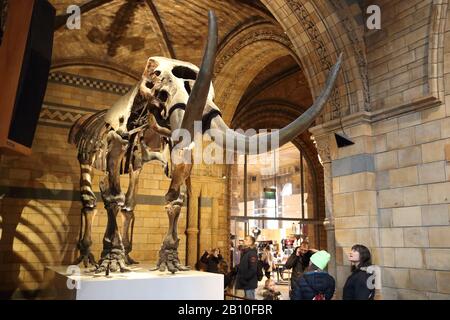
(317,294)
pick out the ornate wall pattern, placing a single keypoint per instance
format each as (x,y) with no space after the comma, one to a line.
(355,33)
(87,82)
(258,35)
(320,49)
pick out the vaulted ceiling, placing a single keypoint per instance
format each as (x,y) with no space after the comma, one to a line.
(124,33)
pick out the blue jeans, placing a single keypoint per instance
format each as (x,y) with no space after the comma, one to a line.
(250,294)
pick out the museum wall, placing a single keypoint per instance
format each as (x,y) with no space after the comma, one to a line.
(397,54)
(40,212)
(390,190)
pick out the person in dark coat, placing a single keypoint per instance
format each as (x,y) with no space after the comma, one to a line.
(247,271)
(315,283)
(298,262)
(357,286)
(201,264)
(213,260)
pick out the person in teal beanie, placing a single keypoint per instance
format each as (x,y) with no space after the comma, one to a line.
(316,283)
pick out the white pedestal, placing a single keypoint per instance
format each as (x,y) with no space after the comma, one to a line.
(139,284)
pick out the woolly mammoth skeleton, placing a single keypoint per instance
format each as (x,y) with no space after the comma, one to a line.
(139,128)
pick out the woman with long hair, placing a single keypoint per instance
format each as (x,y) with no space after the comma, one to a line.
(359,285)
(213,260)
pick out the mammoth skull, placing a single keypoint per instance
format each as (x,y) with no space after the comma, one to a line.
(173,85)
(167,83)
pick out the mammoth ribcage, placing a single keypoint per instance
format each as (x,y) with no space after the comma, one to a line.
(89,137)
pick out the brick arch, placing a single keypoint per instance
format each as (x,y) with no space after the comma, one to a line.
(264,117)
(255,106)
(437,48)
(242,58)
(319,32)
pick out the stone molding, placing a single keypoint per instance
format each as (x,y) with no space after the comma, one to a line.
(320,47)
(436,48)
(375,116)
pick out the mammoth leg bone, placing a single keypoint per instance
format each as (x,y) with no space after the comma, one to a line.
(128,215)
(168,254)
(88,212)
(134,170)
(113,254)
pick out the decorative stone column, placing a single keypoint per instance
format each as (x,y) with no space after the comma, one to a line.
(214,221)
(323,148)
(233,188)
(192,228)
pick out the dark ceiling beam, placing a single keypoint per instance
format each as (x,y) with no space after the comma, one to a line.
(86,7)
(120,24)
(162,28)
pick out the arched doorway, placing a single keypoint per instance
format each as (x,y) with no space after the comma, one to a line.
(279,193)
(276,193)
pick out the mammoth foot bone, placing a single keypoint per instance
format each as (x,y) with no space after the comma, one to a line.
(168,258)
(168,255)
(86,256)
(129,260)
(112,262)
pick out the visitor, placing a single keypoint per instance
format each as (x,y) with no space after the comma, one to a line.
(260,267)
(298,262)
(267,261)
(357,285)
(228,276)
(264,265)
(213,260)
(247,272)
(315,283)
(232,254)
(270,291)
(202,264)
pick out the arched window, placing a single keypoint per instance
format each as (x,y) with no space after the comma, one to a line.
(272,191)
(287,190)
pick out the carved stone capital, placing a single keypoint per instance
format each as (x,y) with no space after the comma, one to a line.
(323,148)
(192,231)
(328,224)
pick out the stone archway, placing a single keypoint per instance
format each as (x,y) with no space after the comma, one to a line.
(319,32)
(276,114)
(242,57)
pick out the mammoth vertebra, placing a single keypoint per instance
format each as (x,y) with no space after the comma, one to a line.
(171,95)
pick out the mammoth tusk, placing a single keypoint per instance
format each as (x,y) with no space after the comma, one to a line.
(199,94)
(288,132)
